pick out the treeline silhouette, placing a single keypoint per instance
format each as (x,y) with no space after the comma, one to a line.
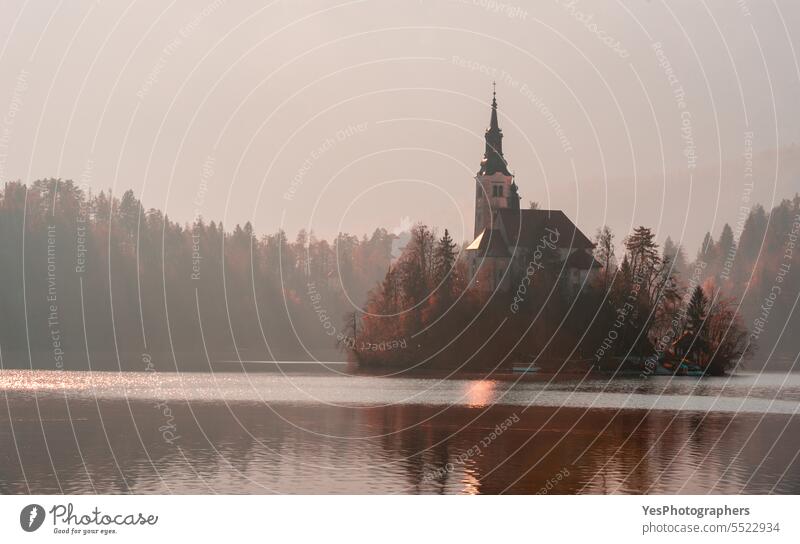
(96,281)
(757,263)
(650,306)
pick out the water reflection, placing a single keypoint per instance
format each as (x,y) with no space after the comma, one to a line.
(480,393)
(116,446)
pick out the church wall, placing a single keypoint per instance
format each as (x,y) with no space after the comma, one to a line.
(486,201)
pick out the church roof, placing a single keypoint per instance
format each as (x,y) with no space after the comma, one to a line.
(490,243)
(525,228)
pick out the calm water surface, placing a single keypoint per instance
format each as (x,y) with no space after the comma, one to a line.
(321,431)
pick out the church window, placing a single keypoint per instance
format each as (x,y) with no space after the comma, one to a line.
(497,190)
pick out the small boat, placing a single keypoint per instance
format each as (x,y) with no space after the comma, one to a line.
(674,368)
(695,370)
(530,369)
(663,370)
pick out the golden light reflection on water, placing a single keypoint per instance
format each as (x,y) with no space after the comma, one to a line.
(472,484)
(480,393)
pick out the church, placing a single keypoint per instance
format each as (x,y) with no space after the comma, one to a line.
(511,243)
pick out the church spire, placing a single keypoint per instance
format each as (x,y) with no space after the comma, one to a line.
(493,123)
(493,160)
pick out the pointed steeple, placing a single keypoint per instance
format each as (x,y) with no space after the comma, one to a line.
(493,160)
(493,126)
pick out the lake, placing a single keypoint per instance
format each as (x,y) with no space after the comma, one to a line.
(317,429)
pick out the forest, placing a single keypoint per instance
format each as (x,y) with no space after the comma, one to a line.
(95,281)
(106,284)
(647,306)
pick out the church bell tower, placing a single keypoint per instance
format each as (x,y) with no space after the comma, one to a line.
(494,185)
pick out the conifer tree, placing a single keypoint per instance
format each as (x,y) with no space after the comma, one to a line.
(696,311)
(643,250)
(444,257)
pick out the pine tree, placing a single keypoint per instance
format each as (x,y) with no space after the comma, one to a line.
(674,254)
(625,269)
(726,242)
(696,311)
(643,251)
(693,343)
(444,258)
(444,271)
(752,238)
(726,249)
(416,272)
(707,251)
(129,213)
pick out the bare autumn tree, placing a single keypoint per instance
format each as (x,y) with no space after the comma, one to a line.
(604,252)
(727,337)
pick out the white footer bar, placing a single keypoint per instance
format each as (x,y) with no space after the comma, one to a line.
(401,519)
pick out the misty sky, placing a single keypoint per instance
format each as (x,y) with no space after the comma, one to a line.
(347,116)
